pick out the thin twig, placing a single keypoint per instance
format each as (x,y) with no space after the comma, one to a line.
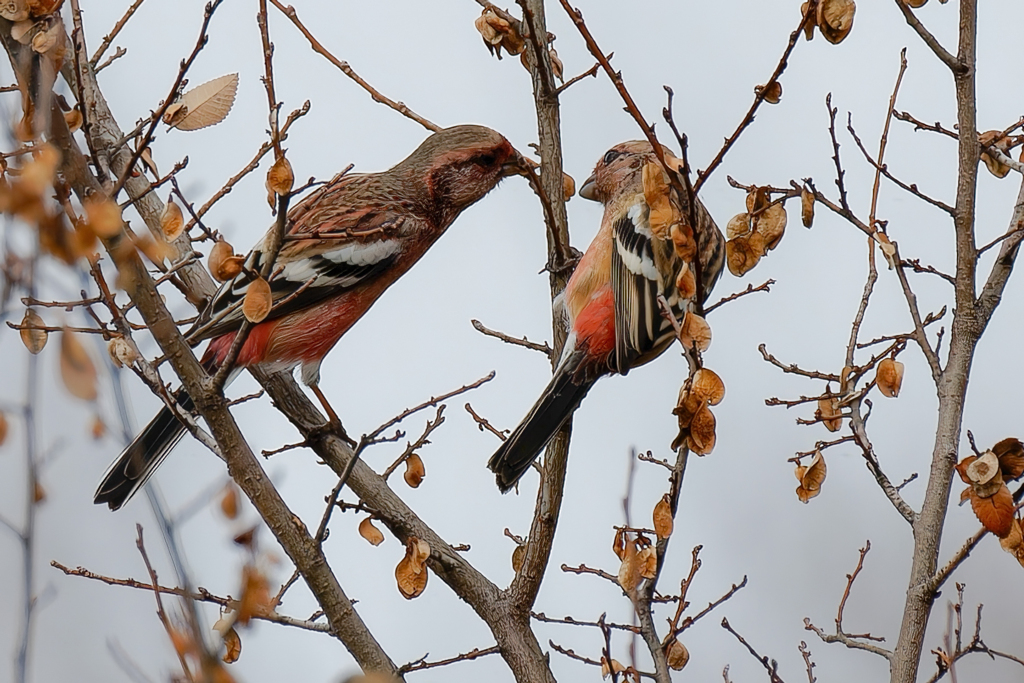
(400,107)
(109,38)
(524,342)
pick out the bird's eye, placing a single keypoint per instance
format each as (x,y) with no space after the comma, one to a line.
(610,155)
(485,160)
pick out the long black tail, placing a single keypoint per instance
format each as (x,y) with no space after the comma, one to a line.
(140,459)
(560,398)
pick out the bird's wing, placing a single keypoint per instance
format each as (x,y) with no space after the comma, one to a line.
(339,238)
(643,267)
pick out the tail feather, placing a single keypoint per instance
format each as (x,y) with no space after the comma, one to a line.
(142,456)
(561,397)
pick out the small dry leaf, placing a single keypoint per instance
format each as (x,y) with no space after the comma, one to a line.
(280,177)
(757,199)
(14,10)
(701,439)
(74,119)
(38,8)
(518,555)
(683,241)
(229,501)
(232,646)
(629,570)
(619,544)
(411,572)
(835,19)
(983,469)
(811,478)
(98,427)
(121,352)
(887,247)
(607,668)
(996,511)
(961,468)
(990,138)
(147,160)
(256,598)
(1012,541)
(915,3)
(414,471)
(1011,457)
(50,35)
(677,655)
(829,414)
(3,428)
(889,377)
(772,92)
(172,222)
(258,301)
(695,331)
(656,194)
(686,282)
(771,225)
(371,533)
(807,207)
(498,33)
(217,262)
(742,254)
(204,105)
(708,386)
(38,492)
(76,368)
(568,186)
(33,339)
(663,522)
(738,226)
(809,26)
(647,559)
(103,216)
(556,64)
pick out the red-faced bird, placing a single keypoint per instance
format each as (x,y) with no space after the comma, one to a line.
(611,302)
(375,227)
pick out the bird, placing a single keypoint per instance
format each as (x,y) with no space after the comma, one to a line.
(610,304)
(346,243)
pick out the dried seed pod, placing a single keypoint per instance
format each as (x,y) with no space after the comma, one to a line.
(122,352)
(258,301)
(280,177)
(411,572)
(33,338)
(811,478)
(663,522)
(835,19)
(172,221)
(807,207)
(414,471)
(372,534)
(889,377)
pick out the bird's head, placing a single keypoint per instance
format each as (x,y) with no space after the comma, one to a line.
(461,164)
(619,168)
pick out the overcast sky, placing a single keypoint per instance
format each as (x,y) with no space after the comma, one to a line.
(738,502)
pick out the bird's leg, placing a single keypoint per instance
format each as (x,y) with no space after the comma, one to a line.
(333,425)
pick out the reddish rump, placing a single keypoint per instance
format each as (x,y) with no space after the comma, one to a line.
(595,325)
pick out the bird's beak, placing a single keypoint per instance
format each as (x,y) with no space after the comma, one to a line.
(589,189)
(516,165)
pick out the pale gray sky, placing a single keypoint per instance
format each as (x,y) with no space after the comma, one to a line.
(738,502)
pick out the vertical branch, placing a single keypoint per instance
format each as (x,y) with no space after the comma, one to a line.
(965,331)
(268,78)
(525,586)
